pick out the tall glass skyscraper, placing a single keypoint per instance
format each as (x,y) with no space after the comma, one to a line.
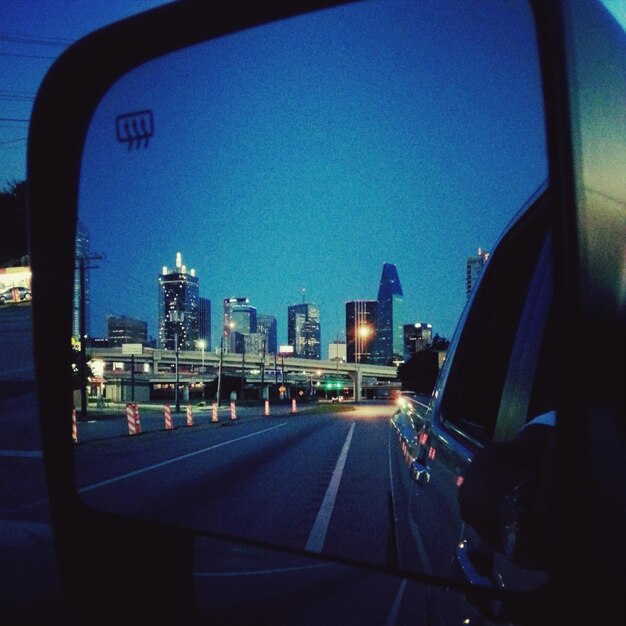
(240,322)
(303,330)
(268,326)
(179,302)
(389,344)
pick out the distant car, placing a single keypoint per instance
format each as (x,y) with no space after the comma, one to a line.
(336,399)
(23,293)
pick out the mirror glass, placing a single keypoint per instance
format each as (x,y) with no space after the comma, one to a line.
(264,220)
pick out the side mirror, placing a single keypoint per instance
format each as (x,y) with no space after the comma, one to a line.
(507,496)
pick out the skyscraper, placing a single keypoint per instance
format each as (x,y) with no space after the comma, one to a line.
(475,264)
(268,326)
(124,329)
(361,329)
(303,330)
(240,321)
(416,337)
(179,302)
(389,345)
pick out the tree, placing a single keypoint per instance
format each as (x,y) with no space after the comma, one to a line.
(420,372)
(13,234)
(76,382)
(440,343)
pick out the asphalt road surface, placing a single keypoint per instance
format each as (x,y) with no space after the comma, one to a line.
(318,483)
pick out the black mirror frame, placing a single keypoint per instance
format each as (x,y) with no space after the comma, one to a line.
(63,108)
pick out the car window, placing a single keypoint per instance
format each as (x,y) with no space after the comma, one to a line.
(477,377)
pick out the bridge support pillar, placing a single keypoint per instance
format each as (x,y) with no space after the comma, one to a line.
(357,381)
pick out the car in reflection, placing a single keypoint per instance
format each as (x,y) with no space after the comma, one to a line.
(405,397)
(496,380)
(335,399)
(508,484)
(15,294)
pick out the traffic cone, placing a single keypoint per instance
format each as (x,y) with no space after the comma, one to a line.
(189,416)
(267,407)
(74,426)
(233,411)
(167,414)
(214,417)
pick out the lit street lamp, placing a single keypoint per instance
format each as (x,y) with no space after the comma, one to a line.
(363,332)
(201,343)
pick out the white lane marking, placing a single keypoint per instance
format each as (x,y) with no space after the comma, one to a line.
(317,537)
(395,609)
(27,454)
(149,468)
(262,572)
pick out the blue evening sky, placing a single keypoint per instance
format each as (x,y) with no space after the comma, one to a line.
(299,157)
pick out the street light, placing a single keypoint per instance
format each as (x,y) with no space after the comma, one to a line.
(219,372)
(177,376)
(201,343)
(363,332)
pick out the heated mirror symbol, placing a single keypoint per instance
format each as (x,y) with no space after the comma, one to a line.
(135,128)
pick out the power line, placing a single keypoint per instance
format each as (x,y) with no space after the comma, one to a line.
(36,41)
(27,56)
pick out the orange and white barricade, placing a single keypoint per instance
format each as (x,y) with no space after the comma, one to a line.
(74,426)
(132,417)
(214,417)
(267,407)
(233,411)
(167,415)
(293,405)
(189,416)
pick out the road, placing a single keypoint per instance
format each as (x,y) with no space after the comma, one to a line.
(312,481)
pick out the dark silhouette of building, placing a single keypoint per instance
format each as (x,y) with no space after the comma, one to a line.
(417,337)
(124,329)
(361,329)
(303,330)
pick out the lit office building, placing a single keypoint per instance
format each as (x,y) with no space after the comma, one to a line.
(417,337)
(475,264)
(124,329)
(179,303)
(389,345)
(303,330)
(228,323)
(337,351)
(268,326)
(240,327)
(361,318)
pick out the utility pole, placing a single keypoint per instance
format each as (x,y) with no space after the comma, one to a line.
(219,372)
(263,368)
(82,366)
(243,364)
(132,377)
(176,395)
